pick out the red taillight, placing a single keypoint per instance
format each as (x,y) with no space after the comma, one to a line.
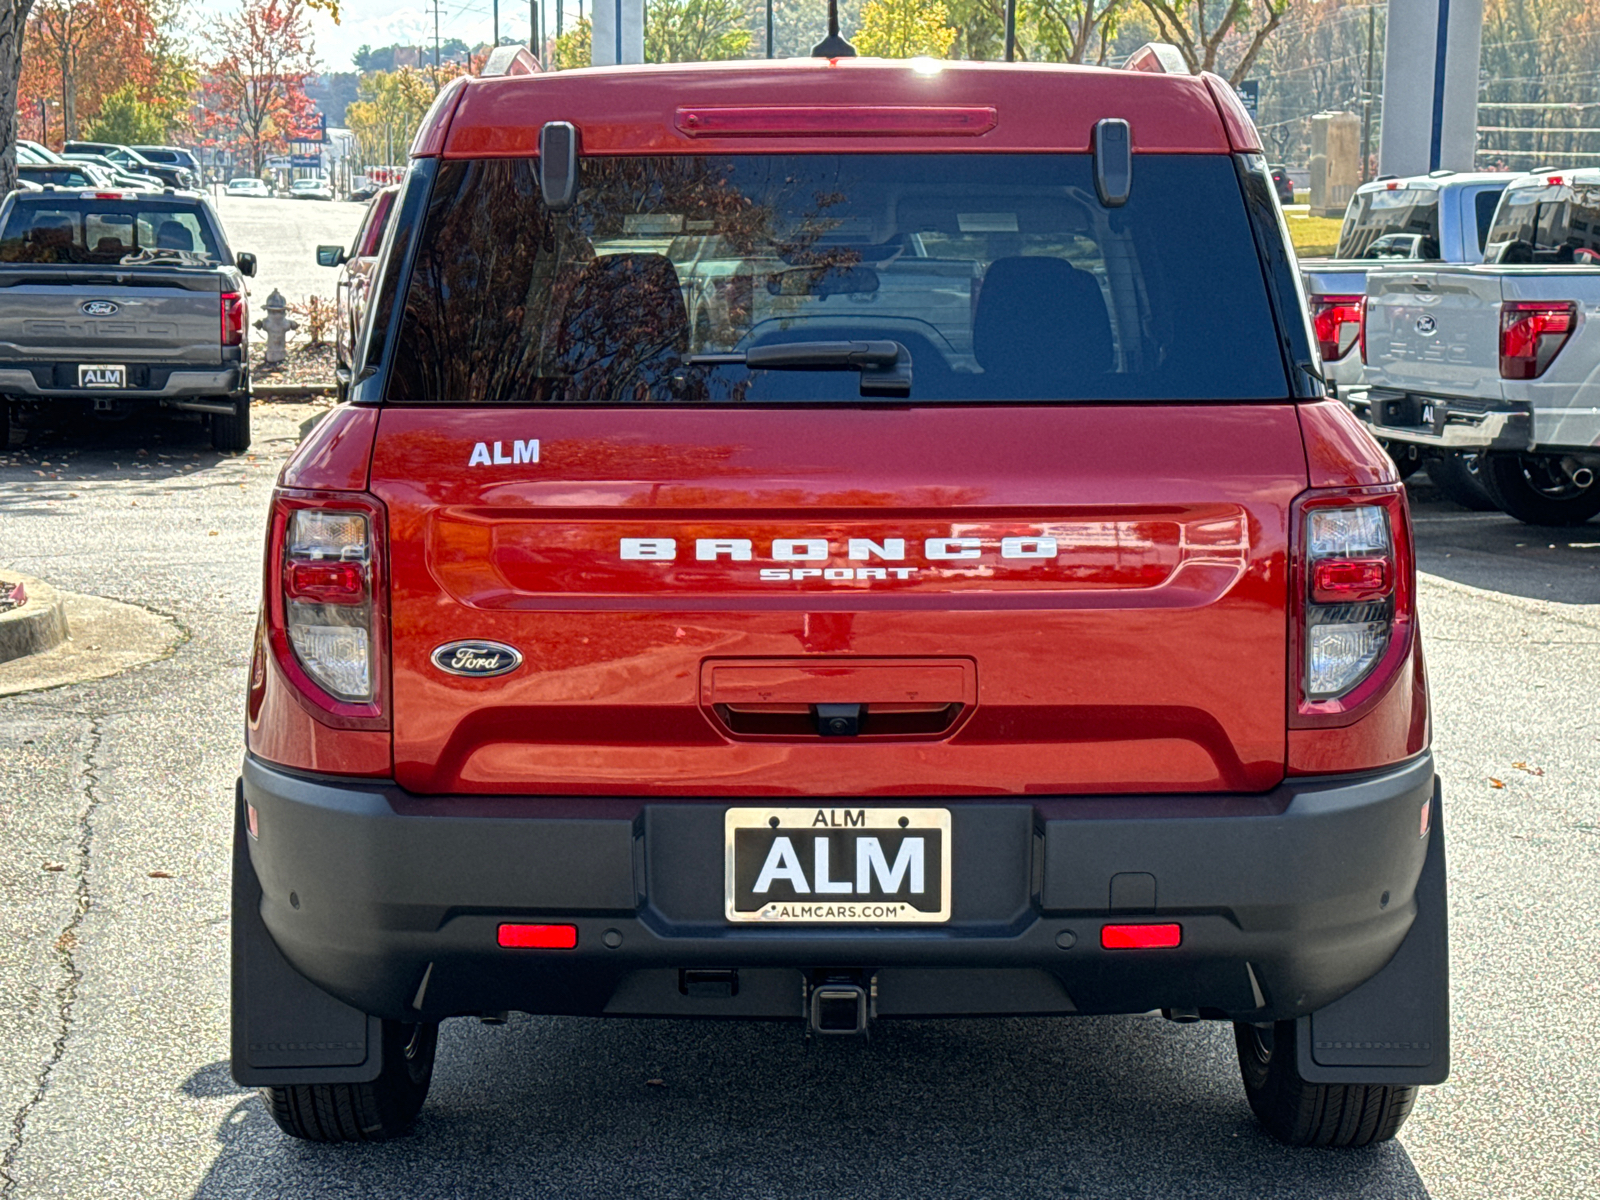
(539,937)
(824,120)
(1348,580)
(1353,596)
(327,617)
(1532,333)
(234,310)
(1337,322)
(325,583)
(1140,937)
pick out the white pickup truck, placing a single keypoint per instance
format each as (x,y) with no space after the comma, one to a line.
(1502,359)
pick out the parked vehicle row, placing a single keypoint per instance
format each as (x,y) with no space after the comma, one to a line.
(1425,321)
(354,285)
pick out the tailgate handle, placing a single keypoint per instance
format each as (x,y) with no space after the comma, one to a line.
(838,698)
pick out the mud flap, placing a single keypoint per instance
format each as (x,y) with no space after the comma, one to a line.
(286,1030)
(1395,1028)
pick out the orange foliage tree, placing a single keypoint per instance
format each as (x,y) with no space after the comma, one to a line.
(79,52)
(253,97)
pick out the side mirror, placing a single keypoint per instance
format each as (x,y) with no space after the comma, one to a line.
(331,256)
(246,263)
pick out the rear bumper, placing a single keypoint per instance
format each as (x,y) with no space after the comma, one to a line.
(164,383)
(1455,426)
(1287,901)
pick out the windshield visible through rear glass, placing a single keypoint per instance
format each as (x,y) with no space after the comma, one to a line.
(1405,219)
(106,232)
(1002,276)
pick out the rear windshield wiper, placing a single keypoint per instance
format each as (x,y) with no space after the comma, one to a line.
(885,366)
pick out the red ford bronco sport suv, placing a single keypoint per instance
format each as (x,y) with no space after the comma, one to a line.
(838,540)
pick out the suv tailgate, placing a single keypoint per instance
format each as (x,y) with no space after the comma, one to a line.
(1435,332)
(1146,653)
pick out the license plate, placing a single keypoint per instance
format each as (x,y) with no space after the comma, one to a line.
(98,375)
(844,865)
(1427,415)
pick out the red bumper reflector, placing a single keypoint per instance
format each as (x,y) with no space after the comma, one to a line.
(1140,937)
(539,937)
(253,823)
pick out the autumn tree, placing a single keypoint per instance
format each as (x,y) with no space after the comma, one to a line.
(389,106)
(905,29)
(1208,32)
(574,47)
(79,54)
(253,94)
(695,31)
(13,25)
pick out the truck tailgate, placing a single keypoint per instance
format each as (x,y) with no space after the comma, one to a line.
(155,319)
(1435,332)
(1024,600)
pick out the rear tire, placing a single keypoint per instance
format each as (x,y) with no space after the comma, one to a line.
(363,1112)
(1313,1114)
(1460,478)
(231,434)
(1536,491)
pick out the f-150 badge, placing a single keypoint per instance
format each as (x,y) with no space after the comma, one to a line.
(486,454)
(478,660)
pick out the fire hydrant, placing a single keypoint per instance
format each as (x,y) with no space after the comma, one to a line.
(276,325)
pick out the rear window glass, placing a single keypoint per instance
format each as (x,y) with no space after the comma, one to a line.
(1002,275)
(1397,223)
(1546,225)
(106,232)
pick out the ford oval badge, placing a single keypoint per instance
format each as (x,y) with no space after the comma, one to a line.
(478,660)
(98,308)
(1427,326)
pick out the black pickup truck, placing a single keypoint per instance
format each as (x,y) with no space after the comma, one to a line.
(117,302)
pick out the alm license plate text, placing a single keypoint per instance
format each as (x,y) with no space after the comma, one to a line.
(845,865)
(98,375)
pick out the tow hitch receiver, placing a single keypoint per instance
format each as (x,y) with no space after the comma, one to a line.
(838,1008)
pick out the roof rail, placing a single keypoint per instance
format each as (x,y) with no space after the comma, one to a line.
(509,60)
(1158,58)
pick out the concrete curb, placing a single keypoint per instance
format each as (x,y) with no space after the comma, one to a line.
(108,637)
(39,625)
(289,391)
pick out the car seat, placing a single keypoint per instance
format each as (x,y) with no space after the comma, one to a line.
(1041,324)
(174,235)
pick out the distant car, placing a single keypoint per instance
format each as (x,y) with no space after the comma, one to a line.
(1282,184)
(175,156)
(248,187)
(310,189)
(65,175)
(359,265)
(127,180)
(131,160)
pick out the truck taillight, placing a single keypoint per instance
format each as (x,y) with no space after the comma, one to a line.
(327,619)
(1337,322)
(1354,586)
(1532,333)
(235,308)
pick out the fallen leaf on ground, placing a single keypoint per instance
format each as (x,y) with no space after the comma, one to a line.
(656,1082)
(50,866)
(158,874)
(67,941)
(1495,783)
(1522,766)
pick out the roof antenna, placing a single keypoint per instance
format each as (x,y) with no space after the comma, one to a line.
(833,46)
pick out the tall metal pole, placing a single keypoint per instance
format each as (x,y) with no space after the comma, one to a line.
(1011,30)
(436,45)
(533,27)
(560,5)
(1366,99)
(769,29)
(496,22)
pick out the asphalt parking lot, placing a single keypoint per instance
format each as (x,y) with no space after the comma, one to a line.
(114,825)
(284,234)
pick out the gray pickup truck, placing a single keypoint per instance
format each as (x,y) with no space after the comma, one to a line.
(112,303)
